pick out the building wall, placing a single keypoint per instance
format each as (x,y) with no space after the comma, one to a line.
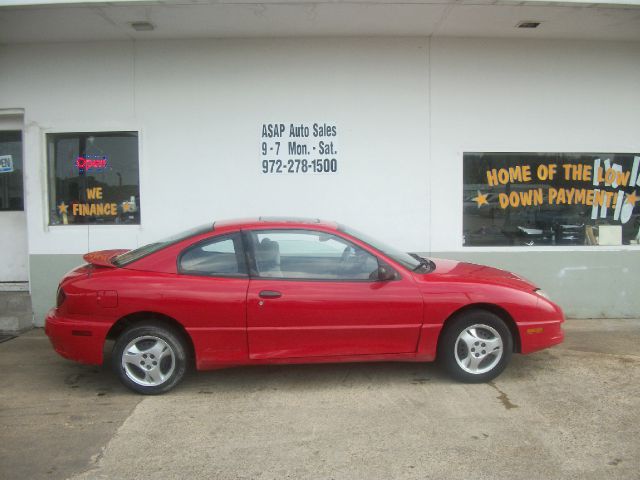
(525,96)
(405,109)
(535,96)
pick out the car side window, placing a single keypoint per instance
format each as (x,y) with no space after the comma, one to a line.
(311,255)
(220,256)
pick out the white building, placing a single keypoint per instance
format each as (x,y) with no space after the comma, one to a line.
(122,122)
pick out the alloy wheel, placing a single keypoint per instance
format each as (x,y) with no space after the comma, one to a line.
(148,361)
(478,349)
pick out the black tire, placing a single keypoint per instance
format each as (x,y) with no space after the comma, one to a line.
(482,331)
(157,358)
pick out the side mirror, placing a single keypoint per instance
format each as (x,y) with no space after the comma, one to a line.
(386,273)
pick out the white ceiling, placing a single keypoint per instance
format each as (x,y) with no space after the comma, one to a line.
(89,21)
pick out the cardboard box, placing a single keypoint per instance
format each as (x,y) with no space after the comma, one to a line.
(610,235)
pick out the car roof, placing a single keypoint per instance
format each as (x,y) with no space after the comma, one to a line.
(272,222)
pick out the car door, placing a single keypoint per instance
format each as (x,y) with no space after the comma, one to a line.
(209,294)
(313,293)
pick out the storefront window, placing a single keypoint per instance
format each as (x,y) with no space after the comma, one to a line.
(93,178)
(11,190)
(551,199)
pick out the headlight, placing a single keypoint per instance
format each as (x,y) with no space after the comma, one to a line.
(543,294)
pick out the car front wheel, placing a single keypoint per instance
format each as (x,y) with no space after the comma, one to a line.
(476,346)
(149,358)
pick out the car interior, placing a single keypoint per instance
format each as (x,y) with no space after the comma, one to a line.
(215,258)
(303,260)
(352,263)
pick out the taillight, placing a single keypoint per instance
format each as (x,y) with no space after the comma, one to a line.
(60,297)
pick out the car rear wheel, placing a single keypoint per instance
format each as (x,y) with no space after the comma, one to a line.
(150,358)
(476,346)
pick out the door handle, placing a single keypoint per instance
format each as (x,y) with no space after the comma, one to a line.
(269,294)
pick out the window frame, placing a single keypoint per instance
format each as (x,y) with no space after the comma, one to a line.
(241,256)
(249,246)
(71,128)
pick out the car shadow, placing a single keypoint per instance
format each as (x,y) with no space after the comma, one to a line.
(349,375)
(101,380)
(313,376)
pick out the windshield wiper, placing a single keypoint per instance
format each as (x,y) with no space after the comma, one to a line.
(424,262)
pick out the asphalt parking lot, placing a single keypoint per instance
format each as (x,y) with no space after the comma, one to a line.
(569,412)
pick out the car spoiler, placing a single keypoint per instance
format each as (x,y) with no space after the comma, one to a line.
(103,258)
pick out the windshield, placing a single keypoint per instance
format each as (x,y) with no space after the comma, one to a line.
(138,253)
(412,262)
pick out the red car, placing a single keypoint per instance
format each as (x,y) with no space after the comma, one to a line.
(291,291)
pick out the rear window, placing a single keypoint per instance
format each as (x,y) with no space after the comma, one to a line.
(138,253)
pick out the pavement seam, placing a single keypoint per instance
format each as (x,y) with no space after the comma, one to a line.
(95,461)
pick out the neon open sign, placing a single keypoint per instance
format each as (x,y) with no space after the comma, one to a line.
(91,162)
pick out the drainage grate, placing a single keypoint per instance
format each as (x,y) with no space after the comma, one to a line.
(6,338)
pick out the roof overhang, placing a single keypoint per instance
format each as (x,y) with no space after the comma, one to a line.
(32,21)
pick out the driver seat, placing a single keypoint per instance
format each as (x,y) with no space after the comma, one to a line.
(268,258)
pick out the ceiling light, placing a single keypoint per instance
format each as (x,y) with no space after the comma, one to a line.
(142,26)
(528,24)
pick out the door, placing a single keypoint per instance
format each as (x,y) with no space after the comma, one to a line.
(317,294)
(209,296)
(13,224)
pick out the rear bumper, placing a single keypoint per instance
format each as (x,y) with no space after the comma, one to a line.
(536,336)
(79,340)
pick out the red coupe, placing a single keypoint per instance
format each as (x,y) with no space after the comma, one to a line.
(291,291)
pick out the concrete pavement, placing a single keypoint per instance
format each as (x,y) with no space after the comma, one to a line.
(569,412)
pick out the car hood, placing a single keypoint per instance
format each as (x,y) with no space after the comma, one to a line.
(452,270)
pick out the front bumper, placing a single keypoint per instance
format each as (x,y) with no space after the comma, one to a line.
(536,336)
(76,339)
